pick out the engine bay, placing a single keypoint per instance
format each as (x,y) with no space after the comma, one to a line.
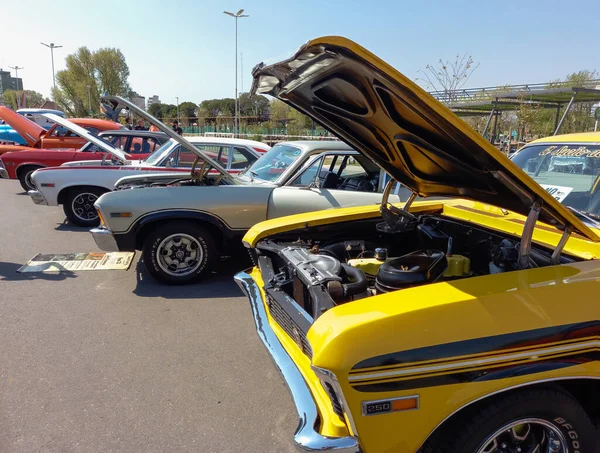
(336,264)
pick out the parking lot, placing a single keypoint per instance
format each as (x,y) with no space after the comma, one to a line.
(112,361)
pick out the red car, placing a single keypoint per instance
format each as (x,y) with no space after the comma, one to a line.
(56,137)
(21,164)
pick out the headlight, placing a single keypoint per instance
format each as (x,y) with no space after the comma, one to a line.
(1,164)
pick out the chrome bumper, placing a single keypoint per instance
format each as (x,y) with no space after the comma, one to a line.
(104,239)
(37,197)
(306,438)
(3,173)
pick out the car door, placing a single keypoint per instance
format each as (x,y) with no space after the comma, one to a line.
(332,180)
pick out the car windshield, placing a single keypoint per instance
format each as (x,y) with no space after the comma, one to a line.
(160,153)
(570,173)
(274,162)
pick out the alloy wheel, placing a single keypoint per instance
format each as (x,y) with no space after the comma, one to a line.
(179,255)
(83,206)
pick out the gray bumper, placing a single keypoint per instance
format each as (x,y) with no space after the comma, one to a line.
(306,438)
(104,239)
(37,197)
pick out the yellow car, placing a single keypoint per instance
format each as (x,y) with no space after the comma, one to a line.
(464,320)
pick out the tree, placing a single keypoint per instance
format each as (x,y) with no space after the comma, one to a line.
(32,98)
(256,106)
(187,112)
(449,76)
(88,75)
(156,110)
(212,108)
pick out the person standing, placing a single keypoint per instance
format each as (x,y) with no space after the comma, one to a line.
(140,126)
(176,127)
(128,123)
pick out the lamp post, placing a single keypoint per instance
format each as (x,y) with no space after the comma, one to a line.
(16,68)
(52,46)
(236,16)
(177,99)
(89,100)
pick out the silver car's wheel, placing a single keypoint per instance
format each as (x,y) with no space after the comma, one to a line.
(526,435)
(179,255)
(178,251)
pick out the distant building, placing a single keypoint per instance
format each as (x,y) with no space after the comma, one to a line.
(153,100)
(140,101)
(8,82)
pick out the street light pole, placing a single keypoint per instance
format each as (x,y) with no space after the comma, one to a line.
(89,100)
(52,46)
(16,68)
(236,16)
(177,99)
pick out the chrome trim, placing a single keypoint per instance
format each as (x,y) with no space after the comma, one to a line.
(306,437)
(104,239)
(497,392)
(3,173)
(532,354)
(37,197)
(331,378)
(385,400)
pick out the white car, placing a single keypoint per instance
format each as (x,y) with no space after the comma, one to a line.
(77,185)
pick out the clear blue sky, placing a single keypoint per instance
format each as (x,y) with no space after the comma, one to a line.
(185,48)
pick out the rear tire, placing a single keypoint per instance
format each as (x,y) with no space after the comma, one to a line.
(179,252)
(79,205)
(520,421)
(24,175)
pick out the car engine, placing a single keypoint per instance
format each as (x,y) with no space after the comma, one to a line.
(330,267)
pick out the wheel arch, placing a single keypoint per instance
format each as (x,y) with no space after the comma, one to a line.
(24,165)
(577,386)
(62,194)
(220,231)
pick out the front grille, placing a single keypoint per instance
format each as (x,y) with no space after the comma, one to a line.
(286,322)
(335,402)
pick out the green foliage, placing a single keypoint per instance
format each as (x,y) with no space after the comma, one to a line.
(88,75)
(256,106)
(32,98)
(187,112)
(156,110)
(212,108)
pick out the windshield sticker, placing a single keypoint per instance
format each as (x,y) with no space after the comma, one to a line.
(570,151)
(558,192)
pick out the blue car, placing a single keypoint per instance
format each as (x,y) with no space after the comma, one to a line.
(9,135)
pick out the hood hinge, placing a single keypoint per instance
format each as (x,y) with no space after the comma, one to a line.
(527,236)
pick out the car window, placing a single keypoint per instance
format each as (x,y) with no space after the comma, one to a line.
(339,172)
(142,145)
(242,158)
(61,131)
(111,139)
(92,130)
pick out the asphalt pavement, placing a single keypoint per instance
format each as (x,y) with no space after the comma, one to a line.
(111,361)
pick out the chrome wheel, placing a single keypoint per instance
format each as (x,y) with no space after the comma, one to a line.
(83,206)
(529,435)
(179,255)
(29,181)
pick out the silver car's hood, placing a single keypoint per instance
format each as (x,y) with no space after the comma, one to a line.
(145,179)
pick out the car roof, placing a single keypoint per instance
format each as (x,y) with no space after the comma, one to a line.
(580,137)
(94,122)
(231,141)
(310,145)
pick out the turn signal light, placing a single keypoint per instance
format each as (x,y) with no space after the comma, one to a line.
(120,214)
(100,217)
(405,404)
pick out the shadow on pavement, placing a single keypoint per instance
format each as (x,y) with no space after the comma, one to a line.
(216,285)
(66,226)
(8,272)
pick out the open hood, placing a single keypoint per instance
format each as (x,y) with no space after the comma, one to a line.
(117,103)
(421,143)
(30,131)
(84,133)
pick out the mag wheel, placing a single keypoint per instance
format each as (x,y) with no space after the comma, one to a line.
(79,206)
(530,421)
(178,252)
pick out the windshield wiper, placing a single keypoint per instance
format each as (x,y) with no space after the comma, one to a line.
(584,215)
